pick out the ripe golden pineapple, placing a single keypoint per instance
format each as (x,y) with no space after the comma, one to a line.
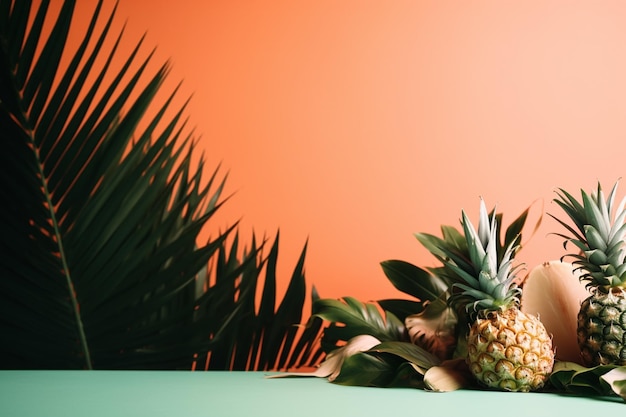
(510,350)
(598,233)
(506,348)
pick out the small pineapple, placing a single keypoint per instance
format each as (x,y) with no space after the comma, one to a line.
(599,234)
(506,348)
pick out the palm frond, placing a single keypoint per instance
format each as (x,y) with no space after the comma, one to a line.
(252,332)
(99,259)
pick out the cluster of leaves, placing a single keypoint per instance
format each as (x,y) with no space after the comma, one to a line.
(99,261)
(602,380)
(250,332)
(421,338)
(393,361)
(418,342)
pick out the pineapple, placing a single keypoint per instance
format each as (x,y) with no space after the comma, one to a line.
(599,233)
(506,348)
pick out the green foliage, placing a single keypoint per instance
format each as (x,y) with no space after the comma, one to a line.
(416,356)
(102,207)
(599,380)
(378,370)
(255,336)
(350,317)
(598,234)
(416,334)
(414,281)
(388,364)
(429,290)
(459,261)
(453,244)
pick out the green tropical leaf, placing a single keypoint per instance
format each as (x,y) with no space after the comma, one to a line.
(378,370)
(280,330)
(350,317)
(421,358)
(414,280)
(598,380)
(84,213)
(434,243)
(308,351)
(454,237)
(251,335)
(401,308)
(100,267)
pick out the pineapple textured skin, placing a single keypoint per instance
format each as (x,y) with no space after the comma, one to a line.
(510,350)
(602,329)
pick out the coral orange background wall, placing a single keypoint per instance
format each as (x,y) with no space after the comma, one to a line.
(354,124)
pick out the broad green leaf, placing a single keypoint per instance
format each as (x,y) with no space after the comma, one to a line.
(409,352)
(572,377)
(407,376)
(365,370)
(401,308)
(385,371)
(432,243)
(454,237)
(413,280)
(350,317)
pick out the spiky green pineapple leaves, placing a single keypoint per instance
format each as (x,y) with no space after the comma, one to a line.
(453,241)
(478,263)
(486,278)
(598,232)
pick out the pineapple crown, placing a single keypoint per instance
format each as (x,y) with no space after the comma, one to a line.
(484,279)
(598,233)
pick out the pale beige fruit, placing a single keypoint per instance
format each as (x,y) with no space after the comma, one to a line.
(553,292)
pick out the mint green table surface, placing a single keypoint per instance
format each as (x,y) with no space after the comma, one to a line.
(224,394)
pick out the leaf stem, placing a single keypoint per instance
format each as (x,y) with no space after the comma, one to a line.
(63,259)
